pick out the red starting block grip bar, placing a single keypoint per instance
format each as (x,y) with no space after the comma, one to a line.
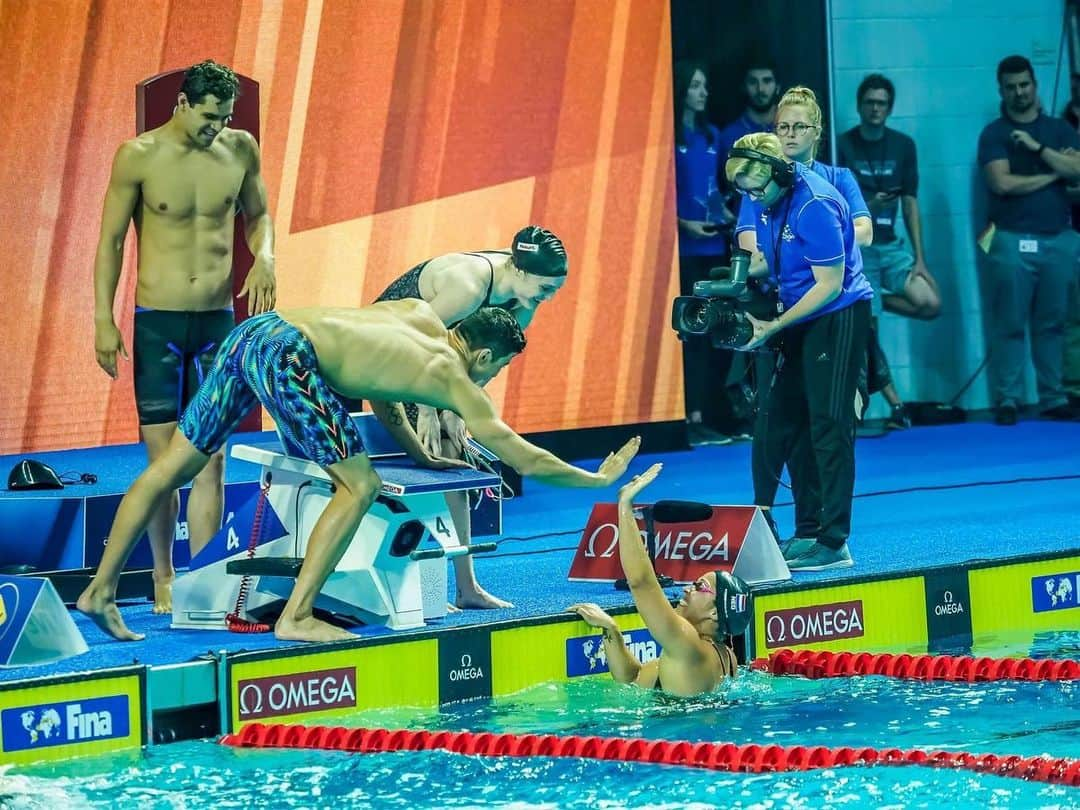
(712,756)
(822,664)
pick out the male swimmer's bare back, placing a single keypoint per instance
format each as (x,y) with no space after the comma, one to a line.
(385,351)
(181,184)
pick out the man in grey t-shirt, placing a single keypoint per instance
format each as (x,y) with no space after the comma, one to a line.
(885,164)
(1027,160)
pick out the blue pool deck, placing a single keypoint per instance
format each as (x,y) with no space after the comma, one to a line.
(926,497)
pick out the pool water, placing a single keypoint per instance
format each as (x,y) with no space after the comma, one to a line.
(999,718)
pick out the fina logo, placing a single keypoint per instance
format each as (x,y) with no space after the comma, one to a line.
(949,606)
(466,671)
(1055,592)
(585,655)
(64,723)
(1060,591)
(41,726)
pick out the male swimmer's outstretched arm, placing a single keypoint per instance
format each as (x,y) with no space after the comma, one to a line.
(475,408)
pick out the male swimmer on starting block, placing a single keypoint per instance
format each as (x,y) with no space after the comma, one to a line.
(298,364)
(456,285)
(695,636)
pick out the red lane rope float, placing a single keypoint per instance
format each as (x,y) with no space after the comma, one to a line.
(824,664)
(711,756)
(234,621)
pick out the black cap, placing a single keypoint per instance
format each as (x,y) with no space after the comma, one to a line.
(734,605)
(32,474)
(537,250)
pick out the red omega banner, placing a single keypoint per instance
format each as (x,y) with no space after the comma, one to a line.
(734,538)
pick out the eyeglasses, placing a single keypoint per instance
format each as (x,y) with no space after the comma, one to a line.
(701,586)
(799,128)
(754,193)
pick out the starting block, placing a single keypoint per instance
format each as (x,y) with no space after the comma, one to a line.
(393,571)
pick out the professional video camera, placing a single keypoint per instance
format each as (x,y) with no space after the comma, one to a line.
(719,305)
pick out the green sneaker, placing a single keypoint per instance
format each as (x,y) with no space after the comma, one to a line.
(822,558)
(796,547)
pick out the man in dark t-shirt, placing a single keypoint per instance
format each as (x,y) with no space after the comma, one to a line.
(885,165)
(1027,160)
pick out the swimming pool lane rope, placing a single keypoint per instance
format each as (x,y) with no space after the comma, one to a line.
(707,755)
(824,664)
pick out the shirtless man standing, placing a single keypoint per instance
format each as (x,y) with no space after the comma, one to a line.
(299,364)
(182,185)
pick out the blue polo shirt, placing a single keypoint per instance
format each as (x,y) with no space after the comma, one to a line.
(810,225)
(843,180)
(696,165)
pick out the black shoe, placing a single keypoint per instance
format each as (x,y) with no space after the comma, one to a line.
(1061,413)
(1005,415)
(899,419)
(698,435)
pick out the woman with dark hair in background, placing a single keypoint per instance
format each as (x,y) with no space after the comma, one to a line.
(703,224)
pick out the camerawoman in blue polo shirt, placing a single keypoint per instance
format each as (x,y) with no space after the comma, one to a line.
(805,231)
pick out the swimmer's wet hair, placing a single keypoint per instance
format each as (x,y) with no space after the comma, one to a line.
(209,79)
(493,328)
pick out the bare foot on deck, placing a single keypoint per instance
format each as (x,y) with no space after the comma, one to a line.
(452,608)
(106,615)
(163,594)
(480,600)
(309,629)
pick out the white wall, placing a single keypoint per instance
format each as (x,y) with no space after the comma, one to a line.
(942,56)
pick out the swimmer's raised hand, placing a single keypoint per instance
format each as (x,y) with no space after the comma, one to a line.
(633,487)
(613,467)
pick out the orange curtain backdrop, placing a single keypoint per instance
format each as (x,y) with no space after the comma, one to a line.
(392,131)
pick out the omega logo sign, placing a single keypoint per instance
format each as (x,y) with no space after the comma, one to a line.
(814,623)
(948,606)
(296,694)
(697,545)
(466,671)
